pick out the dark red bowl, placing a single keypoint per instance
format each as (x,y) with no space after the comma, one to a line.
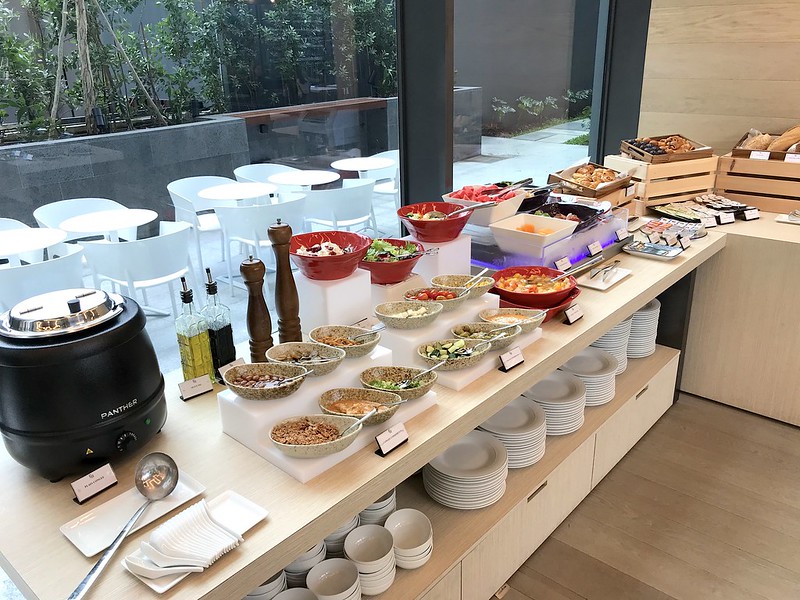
(392,272)
(435,230)
(329,267)
(543,300)
(551,312)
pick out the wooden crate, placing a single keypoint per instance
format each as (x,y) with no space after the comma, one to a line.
(657,184)
(700,151)
(770,185)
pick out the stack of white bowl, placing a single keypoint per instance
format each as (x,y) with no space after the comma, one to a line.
(470,474)
(615,342)
(563,398)
(334,543)
(371,548)
(597,369)
(270,588)
(644,328)
(299,593)
(377,512)
(297,570)
(521,427)
(412,533)
(335,579)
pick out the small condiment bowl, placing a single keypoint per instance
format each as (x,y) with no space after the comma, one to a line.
(453,364)
(456,283)
(364,345)
(280,390)
(330,357)
(369,547)
(411,531)
(386,314)
(509,334)
(361,395)
(333,579)
(447,305)
(396,375)
(533,317)
(322,449)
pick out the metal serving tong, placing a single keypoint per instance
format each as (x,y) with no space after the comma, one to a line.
(607,270)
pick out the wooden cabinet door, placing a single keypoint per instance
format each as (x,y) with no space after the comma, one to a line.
(448,588)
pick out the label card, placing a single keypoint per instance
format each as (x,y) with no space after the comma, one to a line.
(792,158)
(685,241)
(654,238)
(726,218)
(563,264)
(234,363)
(630,191)
(195,387)
(759,154)
(708,222)
(390,439)
(511,359)
(751,214)
(594,248)
(573,313)
(622,234)
(92,484)
(671,239)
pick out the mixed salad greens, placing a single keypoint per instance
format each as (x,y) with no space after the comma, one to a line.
(383,251)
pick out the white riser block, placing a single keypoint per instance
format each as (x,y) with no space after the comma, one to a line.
(337,302)
(393,292)
(453,258)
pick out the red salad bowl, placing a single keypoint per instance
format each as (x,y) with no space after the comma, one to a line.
(543,300)
(434,230)
(384,272)
(329,267)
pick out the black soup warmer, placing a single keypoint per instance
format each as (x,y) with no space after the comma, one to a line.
(79,381)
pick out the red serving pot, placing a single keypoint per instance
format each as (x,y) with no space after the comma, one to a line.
(384,272)
(329,267)
(543,300)
(436,230)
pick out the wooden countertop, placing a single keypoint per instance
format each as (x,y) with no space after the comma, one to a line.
(44,564)
(765,227)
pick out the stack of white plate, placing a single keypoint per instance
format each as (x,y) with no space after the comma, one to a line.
(470,474)
(522,428)
(597,369)
(563,398)
(644,327)
(412,532)
(269,589)
(377,512)
(334,543)
(615,342)
(371,548)
(296,571)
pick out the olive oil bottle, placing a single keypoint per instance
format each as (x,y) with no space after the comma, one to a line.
(220,332)
(193,342)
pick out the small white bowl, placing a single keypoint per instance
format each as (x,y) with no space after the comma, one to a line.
(370,589)
(407,563)
(274,584)
(411,530)
(299,593)
(333,579)
(369,546)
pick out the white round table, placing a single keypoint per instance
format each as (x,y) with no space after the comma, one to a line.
(363,163)
(303,178)
(14,242)
(108,222)
(239,191)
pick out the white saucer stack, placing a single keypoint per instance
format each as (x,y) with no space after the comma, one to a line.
(470,474)
(563,398)
(377,512)
(334,543)
(269,589)
(615,342)
(522,428)
(644,327)
(297,570)
(597,369)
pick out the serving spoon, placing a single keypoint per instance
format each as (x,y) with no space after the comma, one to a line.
(156,477)
(437,214)
(406,383)
(352,427)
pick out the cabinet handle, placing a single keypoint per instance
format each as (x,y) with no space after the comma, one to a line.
(644,389)
(537,490)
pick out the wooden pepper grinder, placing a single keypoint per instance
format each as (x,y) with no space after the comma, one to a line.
(259,325)
(286,300)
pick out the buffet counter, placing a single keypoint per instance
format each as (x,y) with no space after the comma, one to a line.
(44,564)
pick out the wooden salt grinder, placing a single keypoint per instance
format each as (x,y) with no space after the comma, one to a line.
(286,301)
(259,325)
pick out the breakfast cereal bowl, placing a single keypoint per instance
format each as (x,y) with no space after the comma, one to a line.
(319,359)
(339,336)
(263,381)
(440,295)
(382,378)
(291,436)
(527,318)
(456,282)
(356,402)
(407,314)
(485,331)
(477,350)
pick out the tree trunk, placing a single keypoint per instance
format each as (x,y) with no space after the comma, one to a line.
(87,79)
(59,70)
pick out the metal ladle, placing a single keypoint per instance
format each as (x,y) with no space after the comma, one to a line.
(437,214)
(156,476)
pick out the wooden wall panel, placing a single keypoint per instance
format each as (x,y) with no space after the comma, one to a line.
(716,68)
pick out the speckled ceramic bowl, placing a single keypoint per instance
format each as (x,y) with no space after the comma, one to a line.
(329,357)
(260,369)
(365,346)
(361,395)
(453,364)
(456,283)
(388,311)
(325,448)
(510,334)
(447,305)
(533,317)
(396,375)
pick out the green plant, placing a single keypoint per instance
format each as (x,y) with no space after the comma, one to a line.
(502,109)
(579,140)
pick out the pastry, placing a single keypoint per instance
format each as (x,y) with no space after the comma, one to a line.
(787,140)
(758,142)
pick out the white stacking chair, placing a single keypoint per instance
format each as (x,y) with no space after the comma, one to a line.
(63,271)
(342,208)
(249,225)
(387,181)
(55,213)
(146,263)
(6,224)
(259,172)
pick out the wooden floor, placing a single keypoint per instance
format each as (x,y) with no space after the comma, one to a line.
(706,506)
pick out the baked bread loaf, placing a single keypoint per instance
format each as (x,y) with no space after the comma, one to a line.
(758,142)
(787,140)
